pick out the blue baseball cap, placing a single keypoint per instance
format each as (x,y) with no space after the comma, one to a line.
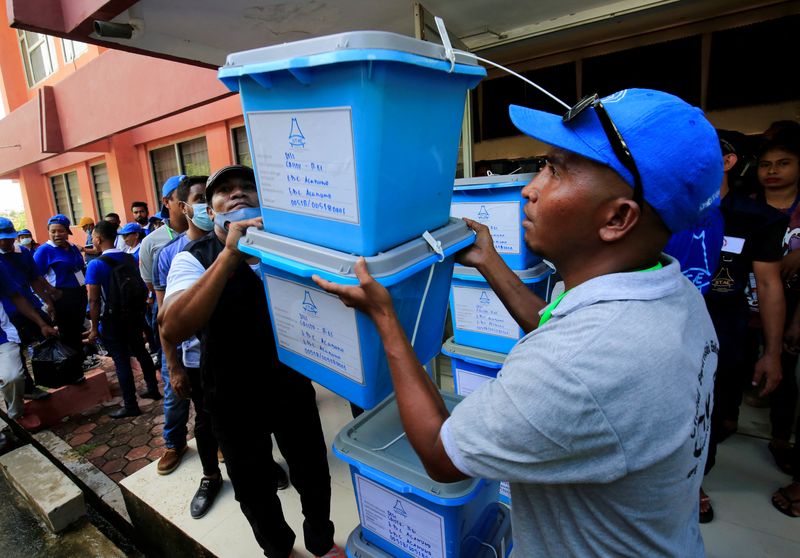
(171,184)
(131,228)
(675,148)
(7,229)
(24,231)
(60,219)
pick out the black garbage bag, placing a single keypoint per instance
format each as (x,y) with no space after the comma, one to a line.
(55,365)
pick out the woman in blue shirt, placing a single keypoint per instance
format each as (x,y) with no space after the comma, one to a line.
(132,234)
(61,263)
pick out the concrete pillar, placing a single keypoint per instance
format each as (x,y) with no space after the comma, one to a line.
(219,145)
(125,176)
(37,196)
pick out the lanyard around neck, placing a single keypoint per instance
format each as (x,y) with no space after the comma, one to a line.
(548,311)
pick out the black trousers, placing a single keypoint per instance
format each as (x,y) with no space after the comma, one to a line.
(70,315)
(732,373)
(203,430)
(288,410)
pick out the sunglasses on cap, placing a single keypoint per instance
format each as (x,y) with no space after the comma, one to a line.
(615,139)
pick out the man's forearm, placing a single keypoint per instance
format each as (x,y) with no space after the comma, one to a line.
(187,312)
(422,410)
(773,314)
(27,310)
(521,303)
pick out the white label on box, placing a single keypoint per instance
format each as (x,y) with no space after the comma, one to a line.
(502,218)
(305,163)
(469,381)
(398,520)
(316,325)
(505,489)
(481,311)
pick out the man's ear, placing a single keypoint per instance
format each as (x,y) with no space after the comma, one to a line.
(620,216)
(729,161)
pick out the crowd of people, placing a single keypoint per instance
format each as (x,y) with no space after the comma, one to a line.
(587,430)
(111,291)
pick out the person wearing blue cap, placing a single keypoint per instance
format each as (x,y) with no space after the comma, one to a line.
(25,239)
(600,415)
(23,271)
(174,408)
(61,263)
(11,368)
(132,234)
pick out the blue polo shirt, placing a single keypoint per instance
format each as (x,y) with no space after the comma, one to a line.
(62,267)
(22,269)
(8,333)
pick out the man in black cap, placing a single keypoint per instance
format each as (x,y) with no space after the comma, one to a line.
(222,297)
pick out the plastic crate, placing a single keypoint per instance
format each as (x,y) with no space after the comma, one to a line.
(497,202)
(354,137)
(404,512)
(337,346)
(471,367)
(479,317)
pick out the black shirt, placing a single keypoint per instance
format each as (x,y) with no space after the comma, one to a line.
(753,233)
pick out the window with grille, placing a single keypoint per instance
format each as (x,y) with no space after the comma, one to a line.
(188,157)
(241,148)
(194,157)
(66,193)
(72,49)
(38,55)
(102,190)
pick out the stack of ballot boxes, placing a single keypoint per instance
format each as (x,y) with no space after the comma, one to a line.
(402,512)
(354,140)
(484,330)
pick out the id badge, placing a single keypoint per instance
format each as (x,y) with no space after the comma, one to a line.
(80,278)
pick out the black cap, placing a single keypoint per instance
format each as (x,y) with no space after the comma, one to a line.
(225,172)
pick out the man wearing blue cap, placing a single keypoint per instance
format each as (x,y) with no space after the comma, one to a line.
(24,272)
(600,414)
(176,410)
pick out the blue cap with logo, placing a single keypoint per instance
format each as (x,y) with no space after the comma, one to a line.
(7,229)
(169,186)
(674,146)
(60,219)
(131,228)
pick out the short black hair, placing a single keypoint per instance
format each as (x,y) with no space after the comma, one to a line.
(112,215)
(106,230)
(140,204)
(185,187)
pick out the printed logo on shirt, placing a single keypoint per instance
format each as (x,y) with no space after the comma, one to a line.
(704,403)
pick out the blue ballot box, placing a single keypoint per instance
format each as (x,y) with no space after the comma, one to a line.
(471,367)
(496,201)
(337,346)
(354,137)
(404,512)
(478,315)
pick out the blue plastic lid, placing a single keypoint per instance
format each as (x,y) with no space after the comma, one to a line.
(368,443)
(493,181)
(343,47)
(473,355)
(539,272)
(388,268)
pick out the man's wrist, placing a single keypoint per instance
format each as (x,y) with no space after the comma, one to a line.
(231,258)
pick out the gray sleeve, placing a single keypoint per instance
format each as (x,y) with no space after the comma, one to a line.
(537,423)
(146,260)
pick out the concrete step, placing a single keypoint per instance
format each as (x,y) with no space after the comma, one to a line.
(51,494)
(159,505)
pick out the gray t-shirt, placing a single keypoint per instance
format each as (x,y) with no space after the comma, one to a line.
(151,244)
(599,419)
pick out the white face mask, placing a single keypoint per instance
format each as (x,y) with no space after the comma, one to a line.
(25,242)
